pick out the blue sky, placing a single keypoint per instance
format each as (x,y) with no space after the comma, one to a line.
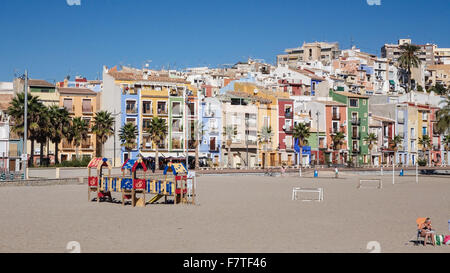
(53,39)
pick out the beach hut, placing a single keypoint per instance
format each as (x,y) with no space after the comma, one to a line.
(134,180)
(94,179)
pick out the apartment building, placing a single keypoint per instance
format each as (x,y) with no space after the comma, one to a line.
(308,52)
(83,103)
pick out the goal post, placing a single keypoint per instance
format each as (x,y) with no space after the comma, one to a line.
(363,183)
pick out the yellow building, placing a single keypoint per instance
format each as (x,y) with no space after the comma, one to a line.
(268,153)
(83,103)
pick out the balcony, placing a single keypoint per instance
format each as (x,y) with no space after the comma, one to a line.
(356,121)
(162,111)
(131,111)
(436,147)
(14,154)
(356,135)
(288,115)
(87,146)
(401,120)
(336,116)
(67,145)
(210,114)
(288,129)
(355,150)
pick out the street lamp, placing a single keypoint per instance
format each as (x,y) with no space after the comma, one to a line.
(115,115)
(25,129)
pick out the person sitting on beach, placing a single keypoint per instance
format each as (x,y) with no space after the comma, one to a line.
(426,231)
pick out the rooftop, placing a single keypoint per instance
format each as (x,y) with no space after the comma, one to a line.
(77,91)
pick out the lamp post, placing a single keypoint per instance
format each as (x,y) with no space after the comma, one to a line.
(115,115)
(318,139)
(25,126)
(246,136)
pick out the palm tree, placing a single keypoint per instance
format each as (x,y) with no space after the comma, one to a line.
(301,132)
(338,140)
(229,132)
(103,129)
(79,131)
(408,59)
(443,116)
(157,131)
(16,111)
(43,131)
(60,121)
(425,141)
(446,143)
(128,136)
(395,144)
(197,135)
(371,139)
(265,137)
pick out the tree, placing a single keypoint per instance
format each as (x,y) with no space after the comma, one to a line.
(439,89)
(371,139)
(60,121)
(197,135)
(43,131)
(157,131)
(265,137)
(79,131)
(103,129)
(229,132)
(443,116)
(395,144)
(301,132)
(425,142)
(128,136)
(16,111)
(446,143)
(409,59)
(338,140)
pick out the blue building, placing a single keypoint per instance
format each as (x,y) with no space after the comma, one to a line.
(130,101)
(211,117)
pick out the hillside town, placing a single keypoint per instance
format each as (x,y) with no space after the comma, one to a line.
(317,105)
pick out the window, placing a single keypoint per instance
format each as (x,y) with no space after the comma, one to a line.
(87,106)
(88,121)
(266,121)
(131,120)
(177,110)
(146,124)
(177,142)
(162,109)
(131,107)
(353,102)
(177,125)
(68,105)
(147,108)
(213,125)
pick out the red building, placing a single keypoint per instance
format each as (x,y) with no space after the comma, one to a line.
(285,131)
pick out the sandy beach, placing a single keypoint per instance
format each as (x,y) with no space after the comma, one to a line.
(234,214)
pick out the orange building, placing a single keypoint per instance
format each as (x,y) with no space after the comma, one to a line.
(84,103)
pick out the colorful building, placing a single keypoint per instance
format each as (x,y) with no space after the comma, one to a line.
(358,124)
(84,103)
